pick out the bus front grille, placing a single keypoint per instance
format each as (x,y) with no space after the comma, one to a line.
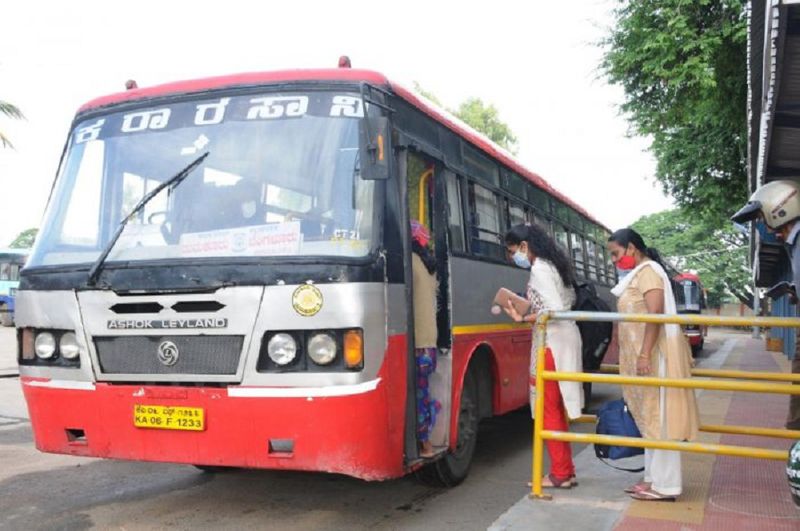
(209,355)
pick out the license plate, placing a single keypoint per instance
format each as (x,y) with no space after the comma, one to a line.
(169,417)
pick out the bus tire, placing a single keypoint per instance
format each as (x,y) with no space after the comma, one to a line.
(454,466)
(5,316)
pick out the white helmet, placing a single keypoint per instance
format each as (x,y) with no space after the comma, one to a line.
(777,203)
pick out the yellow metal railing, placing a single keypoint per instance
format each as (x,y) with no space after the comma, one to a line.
(762,386)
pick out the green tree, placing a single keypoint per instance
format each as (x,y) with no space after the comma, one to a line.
(485,118)
(427,94)
(481,117)
(7,109)
(682,66)
(719,255)
(24,239)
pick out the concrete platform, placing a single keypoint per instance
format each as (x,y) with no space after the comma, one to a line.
(720,493)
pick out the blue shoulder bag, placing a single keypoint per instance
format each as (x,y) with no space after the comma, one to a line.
(615,419)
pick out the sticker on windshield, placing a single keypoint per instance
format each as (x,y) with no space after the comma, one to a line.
(197,145)
(261,240)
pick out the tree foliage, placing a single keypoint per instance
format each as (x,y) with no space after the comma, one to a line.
(481,117)
(485,118)
(24,239)
(7,109)
(718,255)
(682,66)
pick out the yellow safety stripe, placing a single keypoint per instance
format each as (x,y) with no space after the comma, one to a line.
(489,328)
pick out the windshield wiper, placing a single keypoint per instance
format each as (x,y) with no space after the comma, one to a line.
(173,181)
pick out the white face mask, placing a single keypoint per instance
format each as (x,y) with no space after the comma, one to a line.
(521,259)
(249,209)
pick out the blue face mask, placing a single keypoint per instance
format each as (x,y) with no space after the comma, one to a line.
(521,259)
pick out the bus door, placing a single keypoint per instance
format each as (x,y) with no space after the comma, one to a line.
(427,204)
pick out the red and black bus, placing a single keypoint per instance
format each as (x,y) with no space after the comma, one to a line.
(223,277)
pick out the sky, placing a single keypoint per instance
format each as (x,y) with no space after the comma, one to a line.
(537,62)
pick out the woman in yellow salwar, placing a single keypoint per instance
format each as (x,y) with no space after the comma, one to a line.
(652,350)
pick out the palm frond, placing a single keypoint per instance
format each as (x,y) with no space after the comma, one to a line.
(10,110)
(5,142)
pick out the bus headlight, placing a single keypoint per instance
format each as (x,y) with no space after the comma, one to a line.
(68,346)
(45,345)
(322,349)
(282,349)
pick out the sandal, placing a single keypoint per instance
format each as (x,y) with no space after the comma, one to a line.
(650,495)
(552,482)
(426,450)
(633,489)
(573,479)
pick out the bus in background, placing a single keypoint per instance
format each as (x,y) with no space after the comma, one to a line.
(690,298)
(223,277)
(11,261)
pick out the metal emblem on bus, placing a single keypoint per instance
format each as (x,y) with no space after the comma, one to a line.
(307,300)
(168,353)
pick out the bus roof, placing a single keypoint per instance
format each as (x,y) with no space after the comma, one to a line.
(342,75)
(687,276)
(20,254)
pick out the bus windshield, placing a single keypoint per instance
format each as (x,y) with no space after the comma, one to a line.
(688,296)
(281,179)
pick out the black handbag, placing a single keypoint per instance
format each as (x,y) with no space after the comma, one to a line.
(615,419)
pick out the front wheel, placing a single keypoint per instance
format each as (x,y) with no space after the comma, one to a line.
(453,468)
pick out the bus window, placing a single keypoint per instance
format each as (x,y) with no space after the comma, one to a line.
(480,166)
(560,235)
(539,198)
(454,204)
(81,223)
(601,262)
(577,253)
(575,220)
(5,271)
(547,224)
(591,260)
(610,270)
(486,223)
(516,214)
(561,212)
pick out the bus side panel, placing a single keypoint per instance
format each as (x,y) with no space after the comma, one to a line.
(474,284)
(358,434)
(507,367)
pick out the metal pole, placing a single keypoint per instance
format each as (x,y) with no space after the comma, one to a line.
(538,414)
(685,383)
(659,444)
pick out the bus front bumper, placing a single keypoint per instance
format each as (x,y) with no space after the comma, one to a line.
(348,430)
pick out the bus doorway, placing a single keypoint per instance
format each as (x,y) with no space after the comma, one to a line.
(430,327)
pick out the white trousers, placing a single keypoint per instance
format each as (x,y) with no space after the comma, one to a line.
(662,468)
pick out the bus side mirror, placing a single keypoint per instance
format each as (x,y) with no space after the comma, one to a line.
(374,146)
